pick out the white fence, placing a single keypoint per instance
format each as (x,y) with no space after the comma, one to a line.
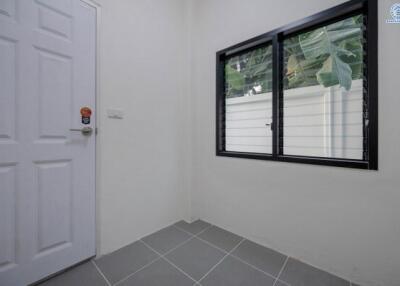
(318,121)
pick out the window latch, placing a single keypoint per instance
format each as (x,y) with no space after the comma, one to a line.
(271,125)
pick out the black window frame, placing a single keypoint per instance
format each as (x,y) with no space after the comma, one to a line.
(368,8)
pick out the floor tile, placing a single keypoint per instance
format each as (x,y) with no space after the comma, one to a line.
(280,283)
(221,238)
(121,263)
(232,272)
(85,274)
(166,239)
(160,273)
(138,265)
(196,258)
(297,273)
(266,259)
(194,227)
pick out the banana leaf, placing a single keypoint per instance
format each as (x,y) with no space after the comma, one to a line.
(329,55)
(329,42)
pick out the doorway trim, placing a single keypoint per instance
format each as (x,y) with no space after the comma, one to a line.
(98,8)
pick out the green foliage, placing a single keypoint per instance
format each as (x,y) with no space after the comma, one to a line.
(328,56)
(234,78)
(244,73)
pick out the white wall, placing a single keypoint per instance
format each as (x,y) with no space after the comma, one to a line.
(157,62)
(343,220)
(140,162)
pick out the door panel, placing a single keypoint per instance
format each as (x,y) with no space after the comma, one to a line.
(55,94)
(61,6)
(8,84)
(8,9)
(54,206)
(7,217)
(10,258)
(54,23)
(47,172)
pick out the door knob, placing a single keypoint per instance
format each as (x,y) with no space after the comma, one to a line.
(86,131)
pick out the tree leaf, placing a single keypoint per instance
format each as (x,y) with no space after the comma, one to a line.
(328,43)
(234,79)
(335,71)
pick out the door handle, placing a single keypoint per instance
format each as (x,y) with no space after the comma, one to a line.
(86,131)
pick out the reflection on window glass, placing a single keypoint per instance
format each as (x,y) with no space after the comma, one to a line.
(323,91)
(248,103)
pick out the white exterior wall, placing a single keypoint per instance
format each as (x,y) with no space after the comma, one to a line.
(318,121)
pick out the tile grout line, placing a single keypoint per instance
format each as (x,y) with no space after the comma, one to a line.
(168,261)
(140,269)
(234,256)
(192,234)
(160,256)
(197,282)
(169,251)
(101,273)
(280,272)
(219,262)
(252,266)
(210,244)
(154,260)
(203,240)
(181,270)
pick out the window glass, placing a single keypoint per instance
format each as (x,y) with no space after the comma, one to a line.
(323,91)
(248,101)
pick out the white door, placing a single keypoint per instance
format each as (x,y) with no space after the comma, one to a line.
(47,172)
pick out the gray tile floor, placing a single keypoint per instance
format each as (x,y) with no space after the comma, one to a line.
(197,254)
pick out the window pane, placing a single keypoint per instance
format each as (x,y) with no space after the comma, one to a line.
(248,101)
(323,91)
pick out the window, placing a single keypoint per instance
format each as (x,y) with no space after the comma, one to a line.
(322,95)
(248,101)
(303,93)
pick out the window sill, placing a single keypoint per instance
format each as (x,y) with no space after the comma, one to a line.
(355,164)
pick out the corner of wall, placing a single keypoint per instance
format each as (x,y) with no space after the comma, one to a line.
(186,112)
